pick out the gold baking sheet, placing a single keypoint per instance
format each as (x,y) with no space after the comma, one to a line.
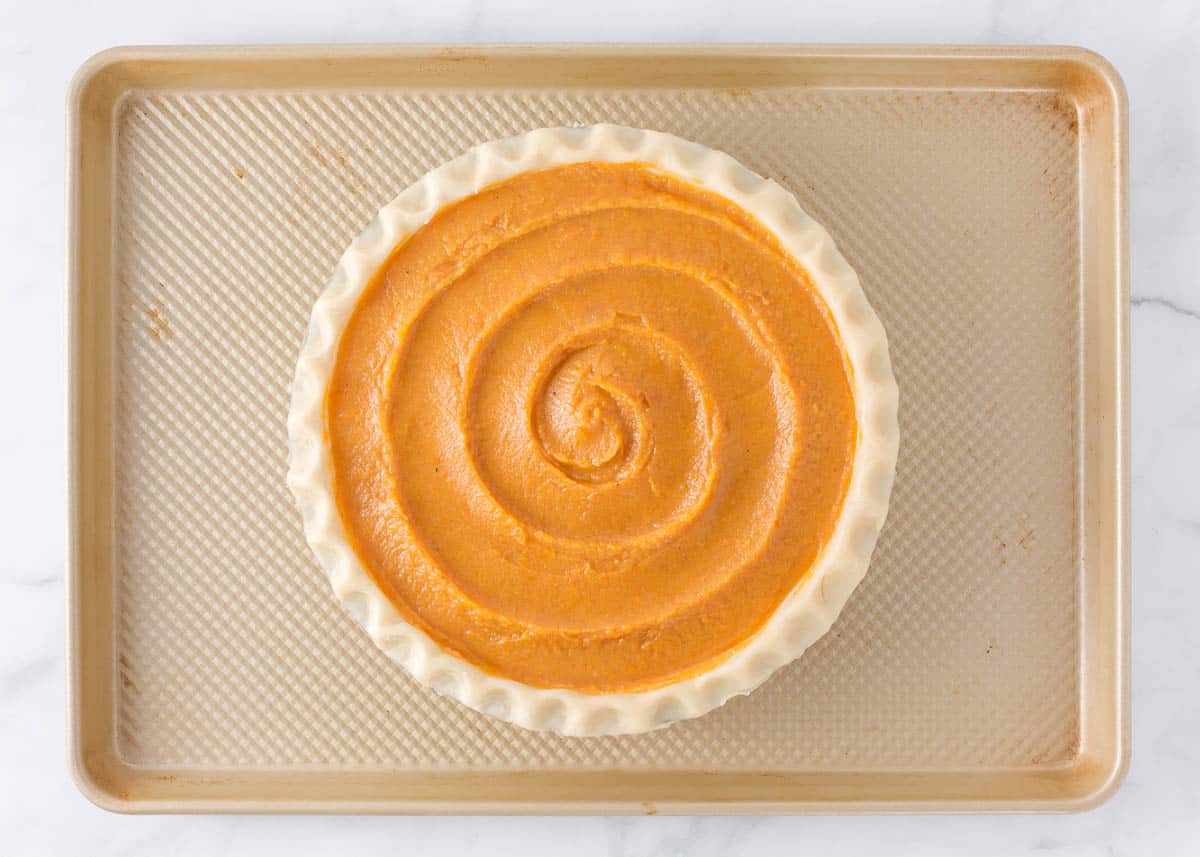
(979,193)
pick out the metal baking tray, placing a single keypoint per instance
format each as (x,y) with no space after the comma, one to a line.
(979,192)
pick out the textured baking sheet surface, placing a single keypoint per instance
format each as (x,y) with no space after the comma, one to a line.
(959,651)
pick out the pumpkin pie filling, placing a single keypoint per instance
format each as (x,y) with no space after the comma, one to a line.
(589,427)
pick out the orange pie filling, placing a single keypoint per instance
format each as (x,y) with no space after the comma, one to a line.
(590,427)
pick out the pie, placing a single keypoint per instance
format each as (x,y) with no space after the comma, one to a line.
(593,429)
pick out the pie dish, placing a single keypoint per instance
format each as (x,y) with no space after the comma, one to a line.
(593,430)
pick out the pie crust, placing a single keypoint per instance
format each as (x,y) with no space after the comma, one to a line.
(802,616)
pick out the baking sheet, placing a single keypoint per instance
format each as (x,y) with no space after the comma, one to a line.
(979,193)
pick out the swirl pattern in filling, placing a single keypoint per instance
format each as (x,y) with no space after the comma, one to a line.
(589,427)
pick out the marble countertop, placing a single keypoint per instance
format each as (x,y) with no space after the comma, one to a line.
(1155,45)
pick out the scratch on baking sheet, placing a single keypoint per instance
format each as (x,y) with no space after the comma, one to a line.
(1025,540)
(315,152)
(738,91)
(457,55)
(1001,547)
(126,682)
(157,324)
(350,178)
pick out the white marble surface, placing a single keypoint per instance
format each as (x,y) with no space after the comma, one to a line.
(1155,45)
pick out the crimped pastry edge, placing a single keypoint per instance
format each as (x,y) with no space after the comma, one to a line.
(799,621)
